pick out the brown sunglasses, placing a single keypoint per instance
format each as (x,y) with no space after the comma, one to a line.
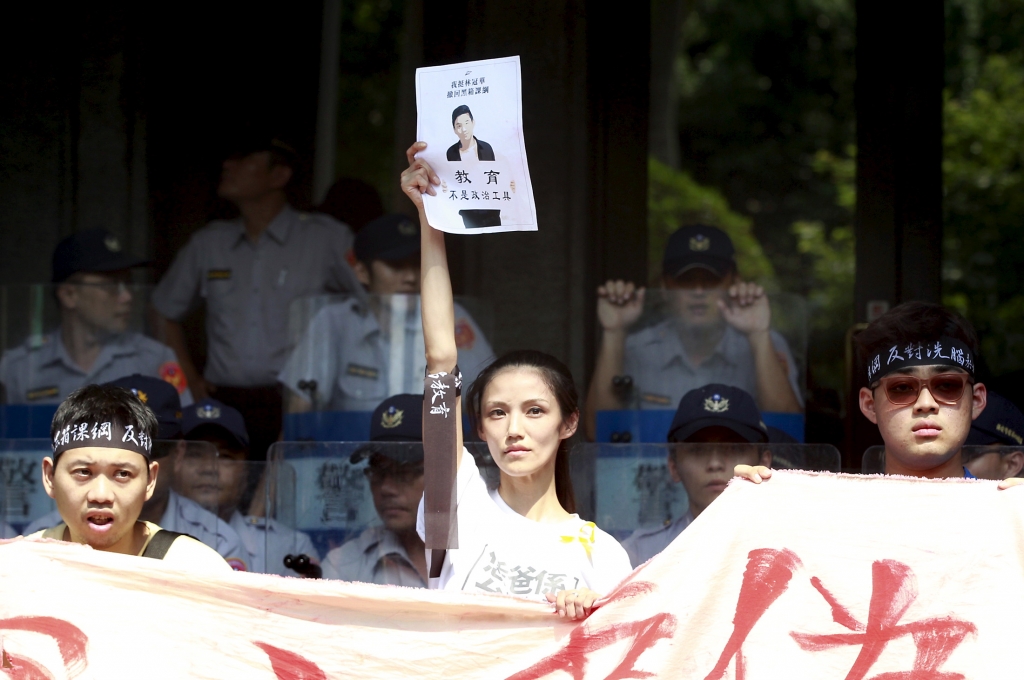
(945,388)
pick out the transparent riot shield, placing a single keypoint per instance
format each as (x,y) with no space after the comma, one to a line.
(873,461)
(658,368)
(349,353)
(638,487)
(981,461)
(351,500)
(188,508)
(22,496)
(345,503)
(58,337)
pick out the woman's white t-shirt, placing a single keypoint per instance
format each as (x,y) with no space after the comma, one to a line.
(500,551)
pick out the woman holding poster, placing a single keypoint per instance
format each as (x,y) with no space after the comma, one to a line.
(522,538)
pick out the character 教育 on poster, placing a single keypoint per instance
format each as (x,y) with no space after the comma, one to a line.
(470,116)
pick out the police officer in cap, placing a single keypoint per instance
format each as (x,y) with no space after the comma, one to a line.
(393,553)
(719,331)
(166,508)
(221,483)
(719,415)
(344,361)
(993,444)
(93,344)
(248,271)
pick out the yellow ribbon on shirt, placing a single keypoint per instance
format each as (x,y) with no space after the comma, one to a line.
(586,538)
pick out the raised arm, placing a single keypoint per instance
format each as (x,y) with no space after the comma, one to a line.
(437,304)
(619,305)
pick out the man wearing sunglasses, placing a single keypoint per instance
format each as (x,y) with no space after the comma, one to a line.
(94,342)
(921,391)
(393,553)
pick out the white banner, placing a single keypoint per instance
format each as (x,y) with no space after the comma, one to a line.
(471,117)
(806,576)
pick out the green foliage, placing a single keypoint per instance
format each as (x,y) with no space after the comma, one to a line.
(674,200)
(763,86)
(368,90)
(983,171)
(831,274)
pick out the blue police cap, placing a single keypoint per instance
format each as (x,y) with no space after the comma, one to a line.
(161,398)
(397,419)
(718,405)
(390,238)
(210,413)
(1000,423)
(698,246)
(91,250)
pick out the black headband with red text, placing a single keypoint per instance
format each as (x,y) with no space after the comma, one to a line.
(945,351)
(108,435)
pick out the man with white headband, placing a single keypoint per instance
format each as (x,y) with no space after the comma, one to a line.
(100,474)
(920,391)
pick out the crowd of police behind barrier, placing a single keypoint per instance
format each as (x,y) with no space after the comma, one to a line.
(702,350)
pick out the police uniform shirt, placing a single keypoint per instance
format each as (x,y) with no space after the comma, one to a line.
(40,371)
(7,531)
(644,544)
(267,541)
(188,517)
(375,556)
(248,288)
(662,373)
(352,361)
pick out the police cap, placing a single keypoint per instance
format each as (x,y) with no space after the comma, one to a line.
(390,238)
(718,405)
(397,421)
(209,414)
(91,250)
(698,246)
(161,398)
(1000,423)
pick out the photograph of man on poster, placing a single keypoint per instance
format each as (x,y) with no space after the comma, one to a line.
(468,147)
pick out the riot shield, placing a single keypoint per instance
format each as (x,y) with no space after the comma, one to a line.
(873,460)
(658,369)
(58,337)
(349,353)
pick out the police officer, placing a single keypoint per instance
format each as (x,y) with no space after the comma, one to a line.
(346,360)
(713,414)
(996,437)
(718,332)
(166,508)
(93,344)
(393,553)
(248,271)
(221,483)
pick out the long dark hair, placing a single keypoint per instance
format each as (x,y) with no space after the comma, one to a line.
(561,384)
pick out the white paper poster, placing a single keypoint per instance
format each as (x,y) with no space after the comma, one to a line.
(471,117)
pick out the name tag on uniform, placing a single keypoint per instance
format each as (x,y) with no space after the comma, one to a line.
(659,399)
(218,274)
(363,371)
(42,393)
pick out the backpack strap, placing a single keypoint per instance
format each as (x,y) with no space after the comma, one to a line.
(161,543)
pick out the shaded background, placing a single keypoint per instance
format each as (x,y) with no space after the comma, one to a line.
(856,156)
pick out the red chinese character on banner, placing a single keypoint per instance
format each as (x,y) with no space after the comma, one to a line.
(573,657)
(766,577)
(71,643)
(894,589)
